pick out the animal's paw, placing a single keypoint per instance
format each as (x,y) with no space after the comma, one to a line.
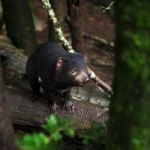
(53,108)
(69,106)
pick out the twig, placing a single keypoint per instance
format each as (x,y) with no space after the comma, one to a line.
(93,76)
(107,8)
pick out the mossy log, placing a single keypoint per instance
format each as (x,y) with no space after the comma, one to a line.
(25,112)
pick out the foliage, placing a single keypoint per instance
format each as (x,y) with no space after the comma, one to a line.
(129,122)
(52,137)
(57,131)
(95,137)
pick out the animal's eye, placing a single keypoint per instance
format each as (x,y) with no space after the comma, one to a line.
(73,72)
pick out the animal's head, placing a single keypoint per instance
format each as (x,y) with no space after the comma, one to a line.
(72,70)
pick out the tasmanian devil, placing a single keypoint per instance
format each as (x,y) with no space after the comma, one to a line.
(54,70)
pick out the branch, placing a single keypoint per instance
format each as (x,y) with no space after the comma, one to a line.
(102,86)
(99,40)
(51,13)
(107,8)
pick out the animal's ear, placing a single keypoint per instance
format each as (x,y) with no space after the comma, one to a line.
(59,63)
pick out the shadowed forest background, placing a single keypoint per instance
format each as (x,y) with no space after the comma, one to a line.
(110,113)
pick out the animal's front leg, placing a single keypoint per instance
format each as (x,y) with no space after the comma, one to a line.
(53,106)
(35,90)
(68,104)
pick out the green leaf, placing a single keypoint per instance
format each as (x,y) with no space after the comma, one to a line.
(85,141)
(70,132)
(56,136)
(34,142)
(52,124)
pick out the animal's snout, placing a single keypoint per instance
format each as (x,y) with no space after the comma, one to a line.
(82,78)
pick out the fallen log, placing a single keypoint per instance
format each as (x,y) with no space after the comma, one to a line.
(13,64)
(27,113)
(24,112)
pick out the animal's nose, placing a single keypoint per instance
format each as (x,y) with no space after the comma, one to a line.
(86,79)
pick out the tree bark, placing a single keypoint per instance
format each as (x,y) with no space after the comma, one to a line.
(76,25)
(129,124)
(34,114)
(1,22)
(19,24)
(6,129)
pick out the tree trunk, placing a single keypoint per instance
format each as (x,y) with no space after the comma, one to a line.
(76,25)
(129,124)
(1,22)
(19,24)
(6,129)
